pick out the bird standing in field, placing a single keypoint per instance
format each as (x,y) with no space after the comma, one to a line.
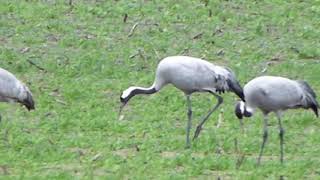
(275,94)
(13,90)
(190,75)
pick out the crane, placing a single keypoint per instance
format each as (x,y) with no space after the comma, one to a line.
(13,90)
(189,75)
(275,94)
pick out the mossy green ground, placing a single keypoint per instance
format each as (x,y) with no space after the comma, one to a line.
(89,55)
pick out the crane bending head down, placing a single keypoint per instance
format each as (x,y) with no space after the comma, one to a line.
(189,75)
(13,90)
(275,94)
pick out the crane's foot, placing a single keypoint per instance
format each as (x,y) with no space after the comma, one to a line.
(258,162)
(188,146)
(259,158)
(197,132)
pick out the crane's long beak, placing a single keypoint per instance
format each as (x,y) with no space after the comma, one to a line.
(241,125)
(121,108)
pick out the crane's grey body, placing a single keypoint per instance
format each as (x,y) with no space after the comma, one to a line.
(13,90)
(190,75)
(275,94)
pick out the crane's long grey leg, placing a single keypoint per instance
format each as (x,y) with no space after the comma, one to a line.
(189,121)
(199,127)
(265,136)
(281,134)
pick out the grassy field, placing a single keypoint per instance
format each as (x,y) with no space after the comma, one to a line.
(78,58)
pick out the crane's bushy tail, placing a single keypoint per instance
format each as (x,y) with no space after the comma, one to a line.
(311,97)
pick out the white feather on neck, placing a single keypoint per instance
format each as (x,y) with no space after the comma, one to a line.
(128,91)
(244,107)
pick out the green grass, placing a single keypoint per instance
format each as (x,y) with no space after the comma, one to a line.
(89,59)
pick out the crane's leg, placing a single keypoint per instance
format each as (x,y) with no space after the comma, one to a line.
(281,134)
(265,137)
(189,121)
(199,127)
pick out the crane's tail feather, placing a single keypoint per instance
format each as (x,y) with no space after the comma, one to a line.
(235,87)
(315,109)
(313,104)
(307,88)
(28,101)
(311,101)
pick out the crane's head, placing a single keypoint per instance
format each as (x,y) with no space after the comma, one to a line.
(26,99)
(241,110)
(125,97)
(123,102)
(28,102)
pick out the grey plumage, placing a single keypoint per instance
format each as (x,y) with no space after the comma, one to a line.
(13,90)
(190,75)
(275,94)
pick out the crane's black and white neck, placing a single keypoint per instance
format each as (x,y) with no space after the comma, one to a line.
(132,91)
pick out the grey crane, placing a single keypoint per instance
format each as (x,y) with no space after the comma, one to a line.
(189,75)
(275,94)
(13,90)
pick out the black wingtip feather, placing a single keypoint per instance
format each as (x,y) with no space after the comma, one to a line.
(315,109)
(307,88)
(311,96)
